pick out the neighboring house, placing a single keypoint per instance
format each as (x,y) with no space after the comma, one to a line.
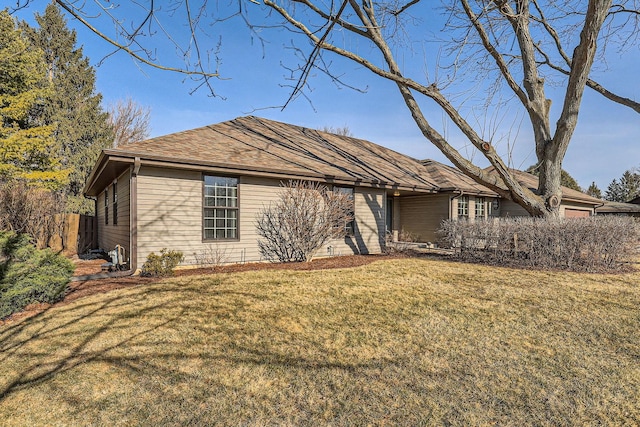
(200,191)
(617,208)
(635,201)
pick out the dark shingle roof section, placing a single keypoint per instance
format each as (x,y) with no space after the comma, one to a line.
(531,182)
(452,179)
(256,144)
(619,208)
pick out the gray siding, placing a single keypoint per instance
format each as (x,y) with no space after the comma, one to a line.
(170,216)
(422,215)
(110,235)
(510,208)
(370,222)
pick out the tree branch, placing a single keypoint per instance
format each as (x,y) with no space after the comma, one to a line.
(126,49)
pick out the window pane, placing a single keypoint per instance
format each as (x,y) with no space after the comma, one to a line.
(220,193)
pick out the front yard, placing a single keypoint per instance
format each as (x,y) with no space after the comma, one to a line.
(396,342)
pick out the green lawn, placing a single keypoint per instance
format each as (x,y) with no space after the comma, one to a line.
(399,342)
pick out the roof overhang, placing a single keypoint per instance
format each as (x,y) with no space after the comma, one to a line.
(112,163)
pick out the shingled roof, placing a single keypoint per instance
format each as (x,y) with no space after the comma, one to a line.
(618,208)
(448,178)
(568,194)
(254,145)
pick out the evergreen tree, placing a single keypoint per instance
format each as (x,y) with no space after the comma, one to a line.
(594,191)
(566,180)
(73,106)
(27,147)
(625,189)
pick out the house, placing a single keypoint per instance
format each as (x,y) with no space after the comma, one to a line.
(199,191)
(617,208)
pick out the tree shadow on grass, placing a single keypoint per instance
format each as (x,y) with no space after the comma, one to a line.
(63,338)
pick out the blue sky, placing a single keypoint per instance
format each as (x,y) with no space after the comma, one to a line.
(606,142)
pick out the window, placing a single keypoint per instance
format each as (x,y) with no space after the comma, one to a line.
(351,225)
(220,216)
(463,207)
(106,206)
(480,207)
(114,190)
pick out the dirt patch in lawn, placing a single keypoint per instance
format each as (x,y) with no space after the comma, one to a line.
(81,289)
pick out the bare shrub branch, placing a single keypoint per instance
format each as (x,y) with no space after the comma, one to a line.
(30,210)
(594,244)
(306,216)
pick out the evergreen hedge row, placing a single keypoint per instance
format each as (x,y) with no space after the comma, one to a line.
(29,275)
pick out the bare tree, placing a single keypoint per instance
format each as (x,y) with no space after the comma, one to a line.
(129,121)
(342,131)
(31,210)
(513,49)
(306,216)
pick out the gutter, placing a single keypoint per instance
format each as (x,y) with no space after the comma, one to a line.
(133,214)
(460,194)
(186,164)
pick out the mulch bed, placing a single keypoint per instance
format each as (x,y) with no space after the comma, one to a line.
(86,288)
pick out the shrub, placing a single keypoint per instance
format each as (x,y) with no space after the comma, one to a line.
(212,255)
(29,275)
(305,217)
(587,244)
(403,245)
(163,264)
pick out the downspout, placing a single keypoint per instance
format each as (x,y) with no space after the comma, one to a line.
(133,208)
(596,207)
(460,194)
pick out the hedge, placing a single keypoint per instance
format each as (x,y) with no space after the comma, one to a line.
(29,275)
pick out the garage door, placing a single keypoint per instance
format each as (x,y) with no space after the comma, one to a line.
(575,213)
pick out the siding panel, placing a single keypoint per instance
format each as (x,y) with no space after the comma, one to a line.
(421,216)
(170,215)
(110,235)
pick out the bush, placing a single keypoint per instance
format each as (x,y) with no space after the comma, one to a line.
(211,255)
(163,264)
(587,244)
(29,275)
(306,216)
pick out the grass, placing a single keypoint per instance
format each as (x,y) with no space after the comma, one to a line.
(400,342)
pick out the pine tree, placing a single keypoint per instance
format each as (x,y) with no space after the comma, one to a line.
(594,191)
(27,147)
(73,106)
(625,189)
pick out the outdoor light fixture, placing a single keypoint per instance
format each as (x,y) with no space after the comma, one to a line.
(396,193)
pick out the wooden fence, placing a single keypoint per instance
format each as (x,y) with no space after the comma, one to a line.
(78,234)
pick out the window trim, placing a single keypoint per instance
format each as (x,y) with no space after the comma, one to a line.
(480,201)
(463,207)
(205,239)
(106,206)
